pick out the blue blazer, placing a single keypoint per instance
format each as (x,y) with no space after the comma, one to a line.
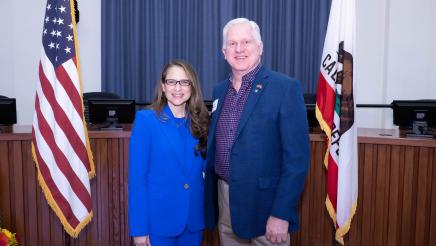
(166,183)
(269,158)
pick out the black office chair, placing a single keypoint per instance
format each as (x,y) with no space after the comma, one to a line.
(309,98)
(100,95)
(96,95)
(9,118)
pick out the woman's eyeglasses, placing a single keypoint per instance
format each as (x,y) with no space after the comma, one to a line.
(182,82)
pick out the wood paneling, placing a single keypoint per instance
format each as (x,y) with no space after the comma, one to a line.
(396,204)
(24,209)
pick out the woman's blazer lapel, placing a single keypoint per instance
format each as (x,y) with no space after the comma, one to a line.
(191,158)
(172,135)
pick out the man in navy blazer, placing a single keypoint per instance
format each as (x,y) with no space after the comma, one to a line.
(258,146)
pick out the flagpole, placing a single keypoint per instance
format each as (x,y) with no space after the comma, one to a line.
(334,242)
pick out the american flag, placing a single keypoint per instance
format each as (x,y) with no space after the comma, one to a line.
(60,144)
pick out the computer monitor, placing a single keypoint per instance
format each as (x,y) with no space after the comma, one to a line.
(417,115)
(110,112)
(8,111)
(311,116)
(310,101)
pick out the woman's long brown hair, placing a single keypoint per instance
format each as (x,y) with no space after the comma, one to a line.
(198,115)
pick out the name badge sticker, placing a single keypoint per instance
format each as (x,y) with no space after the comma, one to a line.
(214,105)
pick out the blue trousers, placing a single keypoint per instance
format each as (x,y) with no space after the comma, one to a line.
(187,238)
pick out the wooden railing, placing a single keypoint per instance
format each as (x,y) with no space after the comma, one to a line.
(396,204)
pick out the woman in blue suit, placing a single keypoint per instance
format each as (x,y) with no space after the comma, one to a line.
(167,150)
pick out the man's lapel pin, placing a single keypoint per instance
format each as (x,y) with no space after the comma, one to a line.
(258,88)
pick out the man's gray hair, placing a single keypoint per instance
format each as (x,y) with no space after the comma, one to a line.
(255,30)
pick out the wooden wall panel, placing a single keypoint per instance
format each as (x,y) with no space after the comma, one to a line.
(421,236)
(30,194)
(366,185)
(24,209)
(17,183)
(5,189)
(396,203)
(407,202)
(432,217)
(393,227)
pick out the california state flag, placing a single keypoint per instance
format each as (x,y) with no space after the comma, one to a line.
(335,108)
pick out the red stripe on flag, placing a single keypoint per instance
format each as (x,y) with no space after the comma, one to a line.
(60,200)
(61,161)
(332,182)
(63,121)
(71,90)
(325,100)
(76,100)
